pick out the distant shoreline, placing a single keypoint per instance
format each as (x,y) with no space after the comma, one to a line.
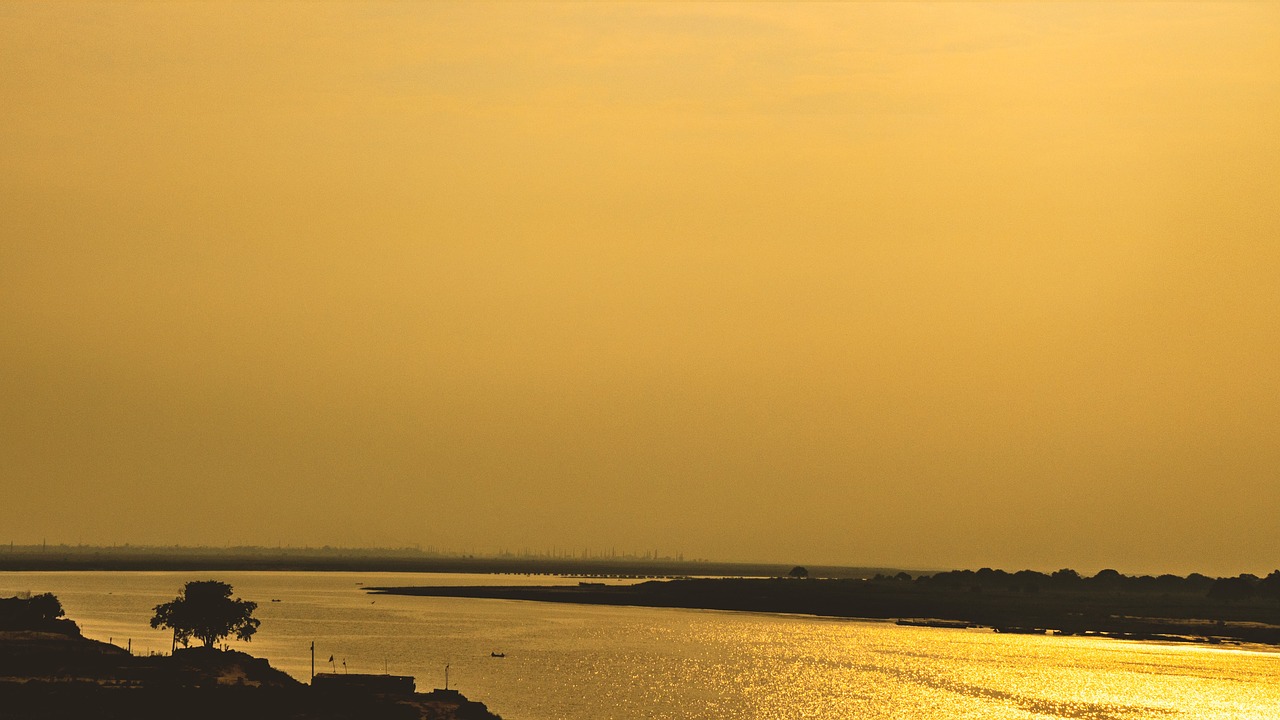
(1136,616)
(341,560)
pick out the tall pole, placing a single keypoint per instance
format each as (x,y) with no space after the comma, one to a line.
(313,660)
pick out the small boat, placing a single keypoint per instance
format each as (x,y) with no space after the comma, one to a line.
(934,623)
(1019,630)
(497,654)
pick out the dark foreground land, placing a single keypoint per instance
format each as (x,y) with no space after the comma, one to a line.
(1196,608)
(48,671)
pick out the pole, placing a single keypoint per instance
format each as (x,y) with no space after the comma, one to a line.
(313,660)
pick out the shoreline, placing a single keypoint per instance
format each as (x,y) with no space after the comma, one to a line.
(49,670)
(61,674)
(1134,617)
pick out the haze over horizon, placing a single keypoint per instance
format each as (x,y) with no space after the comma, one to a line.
(916,285)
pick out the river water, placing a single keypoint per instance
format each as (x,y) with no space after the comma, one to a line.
(572,662)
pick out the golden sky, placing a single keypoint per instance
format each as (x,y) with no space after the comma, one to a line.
(930,285)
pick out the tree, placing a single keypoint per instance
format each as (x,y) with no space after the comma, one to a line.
(206,611)
(799,571)
(1065,576)
(1234,588)
(30,612)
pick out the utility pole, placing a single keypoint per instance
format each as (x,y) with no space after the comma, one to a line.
(313,661)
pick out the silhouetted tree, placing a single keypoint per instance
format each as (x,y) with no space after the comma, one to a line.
(1196,582)
(1108,578)
(1235,588)
(1065,576)
(30,612)
(206,611)
(1030,577)
(1270,585)
(799,571)
(46,607)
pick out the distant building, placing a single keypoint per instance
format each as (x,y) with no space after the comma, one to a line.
(361,684)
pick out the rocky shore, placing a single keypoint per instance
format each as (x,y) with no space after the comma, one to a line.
(48,671)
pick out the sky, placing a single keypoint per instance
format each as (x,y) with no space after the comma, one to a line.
(907,284)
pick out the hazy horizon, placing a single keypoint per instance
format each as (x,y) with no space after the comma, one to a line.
(586,556)
(923,285)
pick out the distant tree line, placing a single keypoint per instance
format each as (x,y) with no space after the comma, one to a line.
(1244,586)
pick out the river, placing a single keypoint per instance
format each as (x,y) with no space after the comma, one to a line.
(577,662)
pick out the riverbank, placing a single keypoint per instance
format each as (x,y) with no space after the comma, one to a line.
(53,673)
(1071,611)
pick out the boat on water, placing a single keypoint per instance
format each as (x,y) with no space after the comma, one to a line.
(497,654)
(930,622)
(1017,630)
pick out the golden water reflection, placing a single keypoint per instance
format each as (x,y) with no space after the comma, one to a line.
(569,662)
(833,669)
